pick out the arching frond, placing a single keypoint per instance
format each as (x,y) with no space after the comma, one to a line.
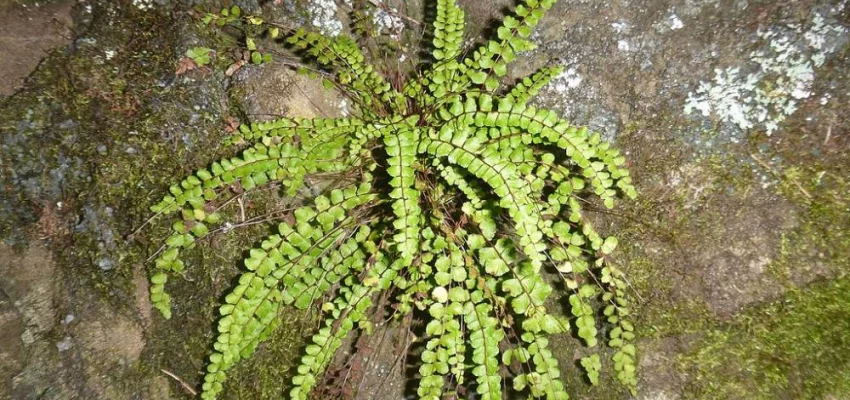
(448,31)
(289,128)
(502,178)
(489,62)
(342,55)
(400,144)
(281,271)
(528,87)
(352,302)
(485,335)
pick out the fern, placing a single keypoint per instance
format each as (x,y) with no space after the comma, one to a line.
(463,196)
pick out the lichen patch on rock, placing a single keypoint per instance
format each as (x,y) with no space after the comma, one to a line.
(782,72)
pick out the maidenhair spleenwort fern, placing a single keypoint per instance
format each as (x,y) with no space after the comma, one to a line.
(460,196)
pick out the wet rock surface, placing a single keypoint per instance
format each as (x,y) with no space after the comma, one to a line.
(716,105)
(59,341)
(28,31)
(731,113)
(274,90)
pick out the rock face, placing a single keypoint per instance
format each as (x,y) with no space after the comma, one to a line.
(27,33)
(731,114)
(58,341)
(275,90)
(725,111)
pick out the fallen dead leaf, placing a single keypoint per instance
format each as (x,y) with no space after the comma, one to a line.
(234,67)
(232,124)
(185,65)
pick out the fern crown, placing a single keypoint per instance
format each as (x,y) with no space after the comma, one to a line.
(456,197)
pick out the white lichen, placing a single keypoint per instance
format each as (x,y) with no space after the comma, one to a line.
(565,81)
(621,27)
(674,22)
(323,16)
(143,5)
(670,23)
(782,74)
(818,36)
(344,109)
(564,88)
(388,22)
(65,344)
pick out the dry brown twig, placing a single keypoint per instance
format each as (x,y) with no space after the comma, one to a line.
(182,383)
(778,175)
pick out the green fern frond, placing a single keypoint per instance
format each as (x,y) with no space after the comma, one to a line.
(292,259)
(448,42)
(457,202)
(342,56)
(489,62)
(484,337)
(448,30)
(528,87)
(352,302)
(286,128)
(400,145)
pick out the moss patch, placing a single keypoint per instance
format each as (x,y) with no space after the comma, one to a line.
(268,373)
(794,348)
(94,139)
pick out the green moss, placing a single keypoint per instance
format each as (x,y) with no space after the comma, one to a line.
(820,243)
(268,373)
(126,126)
(823,191)
(659,313)
(782,267)
(793,348)
(796,348)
